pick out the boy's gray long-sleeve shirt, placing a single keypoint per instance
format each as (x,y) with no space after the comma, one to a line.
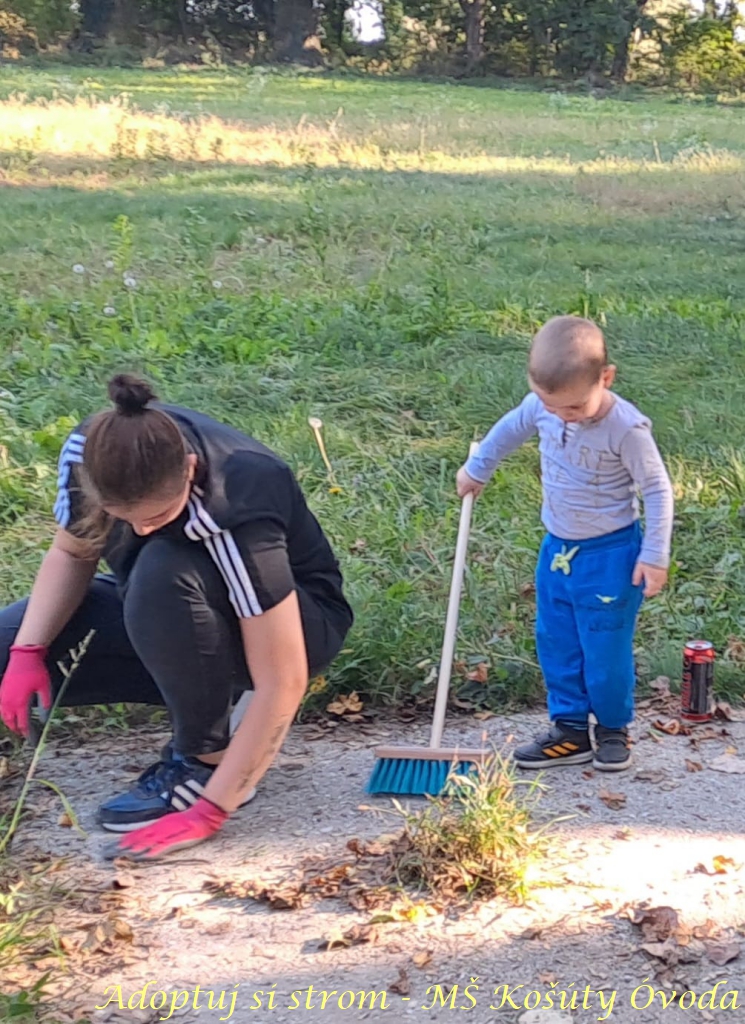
(591,472)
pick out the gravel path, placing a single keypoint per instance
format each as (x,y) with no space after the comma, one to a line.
(574,935)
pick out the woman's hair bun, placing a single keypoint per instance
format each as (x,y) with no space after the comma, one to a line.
(129,394)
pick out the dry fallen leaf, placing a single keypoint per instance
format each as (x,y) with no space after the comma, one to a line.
(97,939)
(404,910)
(122,880)
(719,866)
(359,545)
(661,686)
(480,674)
(667,951)
(708,930)
(317,685)
(361,848)
(345,704)
(402,986)
(671,726)
(694,766)
(328,883)
(547,978)
(656,923)
(721,863)
(123,930)
(358,935)
(64,820)
(285,897)
(423,959)
(721,953)
(724,712)
(484,716)
(613,800)
(729,764)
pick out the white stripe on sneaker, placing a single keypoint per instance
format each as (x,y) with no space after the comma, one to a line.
(189,792)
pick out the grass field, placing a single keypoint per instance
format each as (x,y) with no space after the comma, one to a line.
(378,253)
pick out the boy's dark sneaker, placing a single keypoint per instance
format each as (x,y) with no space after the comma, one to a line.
(613,749)
(165,787)
(562,744)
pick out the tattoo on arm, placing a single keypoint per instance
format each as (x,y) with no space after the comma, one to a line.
(275,742)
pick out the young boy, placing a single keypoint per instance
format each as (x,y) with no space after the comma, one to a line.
(594,566)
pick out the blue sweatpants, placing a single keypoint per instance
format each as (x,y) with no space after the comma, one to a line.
(586,616)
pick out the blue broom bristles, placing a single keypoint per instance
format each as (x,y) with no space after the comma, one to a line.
(413,776)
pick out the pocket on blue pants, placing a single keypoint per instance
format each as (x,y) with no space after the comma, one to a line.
(607,613)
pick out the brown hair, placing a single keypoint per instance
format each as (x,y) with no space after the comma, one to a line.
(567,350)
(132,452)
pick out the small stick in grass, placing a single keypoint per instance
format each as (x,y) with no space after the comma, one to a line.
(76,656)
(316,425)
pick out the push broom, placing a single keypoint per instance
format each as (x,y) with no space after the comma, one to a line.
(419,771)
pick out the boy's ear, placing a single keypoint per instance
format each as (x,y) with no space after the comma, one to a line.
(608,376)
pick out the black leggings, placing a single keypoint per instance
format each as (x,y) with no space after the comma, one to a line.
(174,640)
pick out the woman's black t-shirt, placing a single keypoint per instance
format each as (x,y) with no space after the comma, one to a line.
(245,506)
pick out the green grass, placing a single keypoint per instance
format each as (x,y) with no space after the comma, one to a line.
(383,251)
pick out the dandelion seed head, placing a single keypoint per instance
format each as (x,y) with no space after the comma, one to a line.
(129,281)
(217,284)
(109,264)
(78,268)
(109,311)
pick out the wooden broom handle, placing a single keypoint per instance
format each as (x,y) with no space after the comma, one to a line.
(451,622)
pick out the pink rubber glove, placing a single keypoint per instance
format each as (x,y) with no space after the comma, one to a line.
(175,831)
(25,677)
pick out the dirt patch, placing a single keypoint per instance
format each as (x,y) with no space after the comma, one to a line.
(177,926)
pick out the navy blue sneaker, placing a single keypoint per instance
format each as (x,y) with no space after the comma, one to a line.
(562,744)
(164,787)
(613,753)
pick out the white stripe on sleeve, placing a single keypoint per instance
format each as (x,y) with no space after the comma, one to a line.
(72,452)
(224,552)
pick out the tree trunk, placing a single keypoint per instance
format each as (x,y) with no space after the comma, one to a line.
(123,23)
(474,12)
(295,36)
(95,16)
(622,49)
(183,20)
(335,20)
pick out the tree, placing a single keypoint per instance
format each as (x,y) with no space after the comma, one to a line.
(115,20)
(334,21)
(474,12)
(296,32)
